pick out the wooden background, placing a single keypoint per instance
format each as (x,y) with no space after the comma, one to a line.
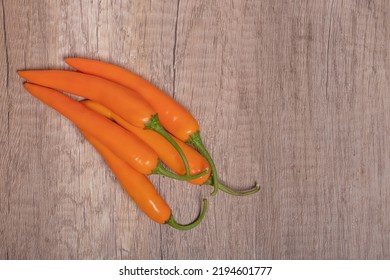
(294,94)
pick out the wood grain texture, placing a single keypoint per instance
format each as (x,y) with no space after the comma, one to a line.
(294,94)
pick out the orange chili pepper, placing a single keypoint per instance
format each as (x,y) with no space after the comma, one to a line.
(174,117)
(120,141)
(121,100)
(141,190)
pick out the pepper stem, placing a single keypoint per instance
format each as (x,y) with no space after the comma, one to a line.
(197,142)
(155,125)
(160,169)
(172,222)
(224,188)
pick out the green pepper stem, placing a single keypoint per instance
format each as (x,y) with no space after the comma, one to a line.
(172,222)
(155,125)
(197,142)
(224,188)
(160,169)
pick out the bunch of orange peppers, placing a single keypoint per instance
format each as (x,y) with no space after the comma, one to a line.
(138,130)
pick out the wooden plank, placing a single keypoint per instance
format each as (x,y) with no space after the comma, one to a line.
(4,135)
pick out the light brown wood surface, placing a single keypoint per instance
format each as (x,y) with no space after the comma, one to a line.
(293,94)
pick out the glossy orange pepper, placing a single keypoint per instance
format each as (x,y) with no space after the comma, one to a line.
(174,117)
(141,190)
